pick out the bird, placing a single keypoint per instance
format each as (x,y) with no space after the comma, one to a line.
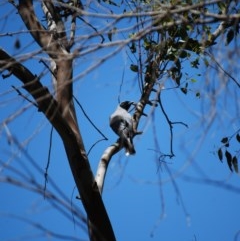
(122,124)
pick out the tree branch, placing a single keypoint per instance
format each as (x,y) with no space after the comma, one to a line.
(41,35)
(116,147)
(78,161)
(54,47)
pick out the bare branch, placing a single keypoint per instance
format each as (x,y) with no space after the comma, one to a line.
(55,23)
(48,161)
(88,118)
(81,170)
(224,71)
(41,36)
(25,97)
(139,111)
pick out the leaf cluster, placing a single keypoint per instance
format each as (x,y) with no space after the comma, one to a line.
(182,31)
(225,153)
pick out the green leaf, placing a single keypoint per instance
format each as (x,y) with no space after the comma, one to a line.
(132,35)
(184,90)
(230,36)
(110,35)
(198,94)
(147,44)
(238,137)
(195,63)
(224,140)
(182,32)
(17,44)
(193,45)
(133,48)
(220,154)
(206,62)
(222,6)
(171,56)
(183,54)
(134,67)
(229,159)
(235,164)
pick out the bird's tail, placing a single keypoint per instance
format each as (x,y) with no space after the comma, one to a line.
(129,147)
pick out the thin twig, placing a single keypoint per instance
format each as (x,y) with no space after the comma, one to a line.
(90,25)
(169,124)
(41,61)
(120,86)
(224,71)
(85,114)
(24,96)
(95,145)
(175,186)
(48,163)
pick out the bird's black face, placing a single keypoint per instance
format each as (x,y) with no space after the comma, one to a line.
(126,105)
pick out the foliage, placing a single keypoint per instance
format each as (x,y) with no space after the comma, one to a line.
(232,159)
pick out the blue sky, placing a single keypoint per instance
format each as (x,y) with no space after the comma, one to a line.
(190,197)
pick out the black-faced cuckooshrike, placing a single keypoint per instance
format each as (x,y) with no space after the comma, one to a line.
(122,124)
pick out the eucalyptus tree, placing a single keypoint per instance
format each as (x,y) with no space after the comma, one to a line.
(168,42)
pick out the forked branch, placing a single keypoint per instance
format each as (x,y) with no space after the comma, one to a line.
(100,224)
